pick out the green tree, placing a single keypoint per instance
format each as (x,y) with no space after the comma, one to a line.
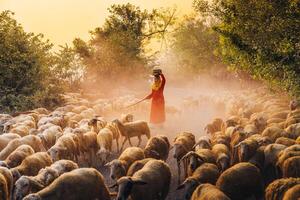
(25,75)
(259,37)
(196,44)
(117,49)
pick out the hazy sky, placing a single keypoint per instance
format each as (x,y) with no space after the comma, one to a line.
(63,20)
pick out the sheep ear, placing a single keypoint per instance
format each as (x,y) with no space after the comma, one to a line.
(113,185)
(181,186)
(107,164)
(138,182)
(36,184)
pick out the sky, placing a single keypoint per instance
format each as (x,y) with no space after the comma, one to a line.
(63,20)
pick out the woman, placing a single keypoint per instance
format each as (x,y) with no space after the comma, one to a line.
(157,115)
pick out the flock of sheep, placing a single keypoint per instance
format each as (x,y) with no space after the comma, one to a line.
(254,153)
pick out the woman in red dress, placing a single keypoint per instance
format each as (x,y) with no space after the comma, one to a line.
(157,115)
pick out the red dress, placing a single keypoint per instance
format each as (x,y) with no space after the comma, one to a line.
(157,114)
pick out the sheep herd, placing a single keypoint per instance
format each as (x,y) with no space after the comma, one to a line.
(252,153)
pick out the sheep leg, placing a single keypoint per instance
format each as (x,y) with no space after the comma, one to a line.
(140,140)
(178,168)
(117,141)
(125,139)
(130,141)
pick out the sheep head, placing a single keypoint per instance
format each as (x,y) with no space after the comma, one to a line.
(33,197)
(189,185)
(25,185)
(117,169)
(103,155)
(125,185)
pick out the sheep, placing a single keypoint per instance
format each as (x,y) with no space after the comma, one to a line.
(31,165)
(236,184)
(137,165)
(66,147)
(125,118)
(50,136)
(115,133)
(285,141)
(213,127)
(284,155)
(291,167)
(97,124)
(293,131)
(84,183)
(88,144)
(157,147)
(222,155)
(120,166)
(4,193)
(17,156)
(292,193)
(151,182)
(6,183)
(104,141)
(208,192)
(198,158)
(6,138)
(183,143)
(236,138)
(219,138)
(273,132)
(206,173)
(271,153)
(277,189)
(132,129)
(258,159)
(203,143)
(30,184)
(246,149)
(31,140)
(294,104)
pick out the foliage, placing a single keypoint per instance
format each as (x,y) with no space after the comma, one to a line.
(196,44)
(25,61)
(260,37)
(117,49)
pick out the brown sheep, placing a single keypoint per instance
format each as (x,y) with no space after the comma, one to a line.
(285,141)
(246,149)
(125,118)
(222,155)
(203,143)
(84,183)
(292,193)
(208,192)
(277,189)
(149,183)
(133,129)
(293,131)
(120,166)
(6,138)
(31,165)
(31,184)
(17,156)
(104,141)
(236,138)
(206,173)
(273,132)
(6,173)
(236,184)
(258,159)
(213,127)
(88,144)
(50,136)
(291,167)
(4,192)
(66,147)
(198,158)
(183,143)
(137,165)
(31,140)
(157,147)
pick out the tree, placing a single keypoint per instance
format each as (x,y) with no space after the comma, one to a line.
(196,44)
(25,61)
(260,37)
(117,49)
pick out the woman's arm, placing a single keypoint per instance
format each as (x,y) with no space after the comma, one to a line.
(163,80)
(148,97)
